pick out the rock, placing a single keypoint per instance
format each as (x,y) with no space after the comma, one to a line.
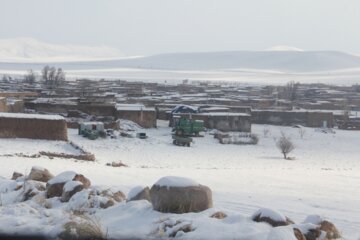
(105,204)
(31,188)
(298,234)
(324,225)
(81,178)
(40,174)
(180,195)
(331,231)
(54,187)
(16,175)
(310,231)
(118,196)
(219,215)
(69,189)
(271,217)
(139,193)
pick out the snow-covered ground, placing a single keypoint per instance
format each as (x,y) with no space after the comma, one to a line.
(323,179)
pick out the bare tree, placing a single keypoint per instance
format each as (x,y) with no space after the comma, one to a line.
(30,77)
(53,77)
(291,91)
(302,132)
(59,77)
(285,145)
(266,131)
(45,74)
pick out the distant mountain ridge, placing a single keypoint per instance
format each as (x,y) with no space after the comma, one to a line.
(28,53)
(29,49)
(287,61)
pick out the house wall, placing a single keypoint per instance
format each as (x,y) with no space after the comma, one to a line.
(3,107)
(16,107)
(145,118)
(33,128)
(309,119)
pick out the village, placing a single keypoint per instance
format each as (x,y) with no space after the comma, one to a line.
(171,134)
(221,106)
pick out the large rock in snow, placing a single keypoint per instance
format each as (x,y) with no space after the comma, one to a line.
(117,196)
(40,174)
(310,231)
(324,225)
(16,175)
(180,195)
(271,217)
(139,193)
(54,187)
(70,188)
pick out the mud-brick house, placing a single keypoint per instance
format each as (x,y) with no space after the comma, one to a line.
(144,116)
(34,126)
(289,118)
(3,107)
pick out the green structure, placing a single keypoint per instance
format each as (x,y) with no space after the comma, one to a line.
(184,129)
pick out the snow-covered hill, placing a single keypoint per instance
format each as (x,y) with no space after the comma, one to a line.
(29,49)
(284,60)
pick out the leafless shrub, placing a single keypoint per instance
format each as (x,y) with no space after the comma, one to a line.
(266,132)
(285,145)
(302,132)
(83,227)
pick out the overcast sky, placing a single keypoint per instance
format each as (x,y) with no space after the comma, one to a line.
(143,27)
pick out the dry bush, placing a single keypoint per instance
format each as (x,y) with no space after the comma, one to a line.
(83,227)
(266,132)
(285,145)
(302,132)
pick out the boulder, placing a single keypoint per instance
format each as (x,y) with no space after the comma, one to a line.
(219,215)
(139,193)
(118,196)
(69,189)
(331,231)
(54,187)
(180,195)
(310,231)
(324,225)
(271,217)
(16,175)
(298,234)
(40,174)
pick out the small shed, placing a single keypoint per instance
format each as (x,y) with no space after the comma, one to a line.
(92,126)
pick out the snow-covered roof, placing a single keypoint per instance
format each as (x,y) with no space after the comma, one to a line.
(31,116)
(225,114)
(132,107)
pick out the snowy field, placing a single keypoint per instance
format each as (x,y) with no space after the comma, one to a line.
(323,179)
(244,76)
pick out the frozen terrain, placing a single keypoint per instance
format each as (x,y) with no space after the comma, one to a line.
(323,179)
(277,65)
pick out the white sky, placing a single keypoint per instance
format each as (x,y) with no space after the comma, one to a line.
(142,27)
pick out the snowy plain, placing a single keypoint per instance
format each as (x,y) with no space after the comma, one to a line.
(323,179)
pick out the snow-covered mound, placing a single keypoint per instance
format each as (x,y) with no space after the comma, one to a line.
(284,48)
(172,181)
(25,49)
